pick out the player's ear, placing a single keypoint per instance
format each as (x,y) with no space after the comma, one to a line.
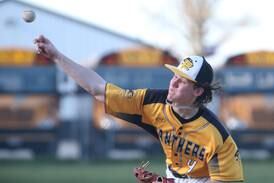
(198,91)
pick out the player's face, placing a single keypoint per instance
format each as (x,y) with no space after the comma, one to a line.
(181,91)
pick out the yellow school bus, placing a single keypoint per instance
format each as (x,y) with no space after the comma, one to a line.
(28,101)
(248,81)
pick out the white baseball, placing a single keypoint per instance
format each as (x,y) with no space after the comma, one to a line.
(28,16)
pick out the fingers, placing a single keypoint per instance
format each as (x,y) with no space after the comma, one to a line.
(40,42)
(40,51)
(41,47)
(38,39)
(41,38)
(144,165)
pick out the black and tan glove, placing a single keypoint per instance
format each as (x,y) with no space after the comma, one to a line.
(144,176)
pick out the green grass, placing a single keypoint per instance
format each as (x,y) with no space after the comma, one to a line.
(104,171)
(259,171)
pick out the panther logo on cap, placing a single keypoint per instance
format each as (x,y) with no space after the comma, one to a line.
(186,64)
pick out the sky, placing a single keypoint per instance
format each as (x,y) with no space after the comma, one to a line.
(159,22)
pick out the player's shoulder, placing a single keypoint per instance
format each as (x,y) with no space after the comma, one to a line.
(155,96)
(210,117)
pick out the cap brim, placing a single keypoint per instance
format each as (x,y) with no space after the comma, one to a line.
(176,71)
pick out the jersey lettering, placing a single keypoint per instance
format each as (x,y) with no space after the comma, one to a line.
(187,149)
(191,164)
(195,150)
(202,154)
(180,144)
(174,138)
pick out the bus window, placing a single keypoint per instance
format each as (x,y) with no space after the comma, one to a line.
(28,111)
(253,111)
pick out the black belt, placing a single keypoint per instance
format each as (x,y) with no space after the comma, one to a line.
(176,174)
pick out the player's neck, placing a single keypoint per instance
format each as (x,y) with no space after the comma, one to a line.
(185,112)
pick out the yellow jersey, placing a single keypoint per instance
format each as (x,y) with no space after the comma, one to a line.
(196,147)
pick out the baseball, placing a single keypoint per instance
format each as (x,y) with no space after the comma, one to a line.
(28,16)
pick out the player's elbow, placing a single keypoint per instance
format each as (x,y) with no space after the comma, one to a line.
(100,98)
(98,92)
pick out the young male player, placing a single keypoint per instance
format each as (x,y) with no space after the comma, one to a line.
(197,146)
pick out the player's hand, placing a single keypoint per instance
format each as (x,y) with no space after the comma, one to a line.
(46,48)
(144,176)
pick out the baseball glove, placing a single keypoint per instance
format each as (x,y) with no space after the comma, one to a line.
(144,176)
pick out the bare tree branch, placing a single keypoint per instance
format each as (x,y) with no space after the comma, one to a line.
(196,13)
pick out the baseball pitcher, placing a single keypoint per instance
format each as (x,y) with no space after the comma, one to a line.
(197,146)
